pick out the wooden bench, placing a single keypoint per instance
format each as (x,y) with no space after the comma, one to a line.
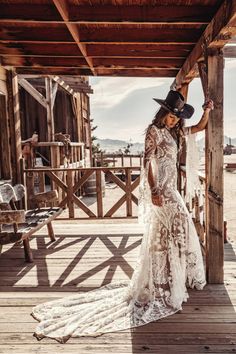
(19,225)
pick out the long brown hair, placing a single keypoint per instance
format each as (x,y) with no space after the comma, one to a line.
(176,131)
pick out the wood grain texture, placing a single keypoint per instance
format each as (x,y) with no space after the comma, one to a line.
(86,256)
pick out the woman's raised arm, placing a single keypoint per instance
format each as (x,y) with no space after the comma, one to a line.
(201,125)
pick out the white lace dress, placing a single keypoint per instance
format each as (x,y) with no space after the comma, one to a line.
(170,260)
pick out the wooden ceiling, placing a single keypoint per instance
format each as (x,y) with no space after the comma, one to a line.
(107,37)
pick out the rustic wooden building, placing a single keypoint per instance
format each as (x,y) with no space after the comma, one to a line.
(180,39)
(47,106)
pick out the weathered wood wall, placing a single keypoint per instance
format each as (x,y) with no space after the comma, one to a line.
(5,158)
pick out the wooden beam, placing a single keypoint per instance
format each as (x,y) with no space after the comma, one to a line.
(203,73)
(63,84)
(139,34)
(138,62)
(35,11)
(33,92)
(50,118)
(47,49)
(54,93)
(139,50)
(38,32)
(134,72)
(217,34)
(72,87)
(101,42)
(108,13)
(14,125)
(53,71)
(62,8)
(214,172)
(5,140)
(43,61)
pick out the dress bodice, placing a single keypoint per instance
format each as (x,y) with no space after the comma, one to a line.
(161,151)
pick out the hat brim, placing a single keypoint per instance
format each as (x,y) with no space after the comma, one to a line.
(186,113)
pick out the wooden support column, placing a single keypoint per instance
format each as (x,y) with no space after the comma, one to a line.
(214,172)
(50,118)
(182,155)
(5,140)
(14,120)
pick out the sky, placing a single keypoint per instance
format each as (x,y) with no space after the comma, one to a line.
(123,107)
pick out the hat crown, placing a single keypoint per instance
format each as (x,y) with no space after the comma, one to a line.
(175,101)
(175,104)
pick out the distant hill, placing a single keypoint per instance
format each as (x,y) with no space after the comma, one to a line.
(201,142)
(112,145)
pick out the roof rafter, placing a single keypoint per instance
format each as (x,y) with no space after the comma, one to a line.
(217,34)
(63,10)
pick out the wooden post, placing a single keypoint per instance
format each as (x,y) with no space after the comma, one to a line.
(122,160)
(99,193)
(50,119)
(182,155)
(128,192)
(14,122)
(5,140)
(28,252)
(70,201)
(214,172)
(51,232)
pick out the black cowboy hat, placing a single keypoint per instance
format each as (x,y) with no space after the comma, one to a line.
(175,104)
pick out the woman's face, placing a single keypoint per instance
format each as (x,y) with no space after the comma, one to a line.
(171,120)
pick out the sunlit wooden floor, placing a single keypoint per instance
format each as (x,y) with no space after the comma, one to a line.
(86,256)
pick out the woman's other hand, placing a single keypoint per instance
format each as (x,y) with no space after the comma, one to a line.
(157,199)
(208,105)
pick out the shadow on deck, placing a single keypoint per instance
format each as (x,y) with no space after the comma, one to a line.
(87,256)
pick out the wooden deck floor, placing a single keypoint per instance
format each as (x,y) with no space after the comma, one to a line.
(86,256)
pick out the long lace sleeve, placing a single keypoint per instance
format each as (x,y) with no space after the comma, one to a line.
(152,139)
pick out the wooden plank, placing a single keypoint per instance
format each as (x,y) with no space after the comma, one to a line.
(116,206)
(214,181)
(33,92)
(5,140)
(218,33)
(139,50)
(70,199)
(28,252)
(99,193)
(12,216)
(51,232)
(128,193)
(81,205)
(126,337)
(63,9)
(157,63)
(108,13)
(49,107)
(14,123)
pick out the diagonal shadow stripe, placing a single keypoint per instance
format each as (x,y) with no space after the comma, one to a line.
(70,267)
(112,268)
(116,259)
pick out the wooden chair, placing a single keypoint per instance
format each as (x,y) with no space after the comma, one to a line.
(20,225)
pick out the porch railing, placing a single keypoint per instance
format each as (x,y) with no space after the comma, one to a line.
(123,160)
(71,185)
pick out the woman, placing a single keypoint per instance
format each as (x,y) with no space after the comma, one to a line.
(170,256)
